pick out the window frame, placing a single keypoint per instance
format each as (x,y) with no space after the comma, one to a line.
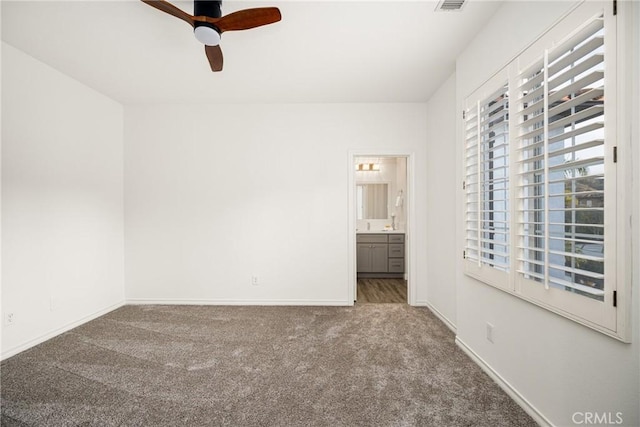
(605,317)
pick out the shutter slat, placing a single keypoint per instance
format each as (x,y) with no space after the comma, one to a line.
(579,37)
(533,121)
(577,271)
(572,255)
(576,164)
(596,110)
(576,224)
(575,87)
(591,95)
(531,82)
(531,134)
(577,286)
(577,193)
(539,263)
(533,94)
(578,147)
(494,117)
(576,240)
(531,273)
(536,107)
(576,132)
(573,58)
(568,179)
(495,107)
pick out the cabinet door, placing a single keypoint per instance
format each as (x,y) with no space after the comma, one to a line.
(379,258)
(363,259)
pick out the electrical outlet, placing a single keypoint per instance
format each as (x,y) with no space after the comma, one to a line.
(489,332)
(9,319)
(254,280)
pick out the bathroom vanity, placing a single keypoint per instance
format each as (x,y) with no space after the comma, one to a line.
(380,254)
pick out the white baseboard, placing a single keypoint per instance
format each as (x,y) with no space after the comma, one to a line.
(439,315)
(162,301)
(505,386)
(32,343)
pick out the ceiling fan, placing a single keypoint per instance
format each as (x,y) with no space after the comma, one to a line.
(209,24)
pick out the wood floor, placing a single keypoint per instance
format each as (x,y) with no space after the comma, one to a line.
(382,291)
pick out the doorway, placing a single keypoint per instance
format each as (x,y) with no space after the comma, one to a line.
(380,227)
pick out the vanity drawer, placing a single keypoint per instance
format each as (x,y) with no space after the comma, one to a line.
(371,238)
(396,250)
(396,265)
(396,238)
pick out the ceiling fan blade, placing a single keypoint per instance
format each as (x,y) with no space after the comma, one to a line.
(248,18)
(214,55)
(167,7)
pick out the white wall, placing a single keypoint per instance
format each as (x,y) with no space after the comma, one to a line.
(442,187)
(216,194)
(558,366)
(62,202)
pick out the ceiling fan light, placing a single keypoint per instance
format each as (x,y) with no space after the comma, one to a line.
(207,35)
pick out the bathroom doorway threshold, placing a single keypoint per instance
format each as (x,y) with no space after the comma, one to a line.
(381,291)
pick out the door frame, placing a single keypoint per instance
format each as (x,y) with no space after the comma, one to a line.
(409,205)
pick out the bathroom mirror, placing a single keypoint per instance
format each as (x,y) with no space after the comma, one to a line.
(372,201)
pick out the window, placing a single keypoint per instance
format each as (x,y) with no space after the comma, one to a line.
(540,178)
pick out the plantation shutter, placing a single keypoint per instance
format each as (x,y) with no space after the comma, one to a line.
(561,172)
(540,174)
(486,128)
(472,179)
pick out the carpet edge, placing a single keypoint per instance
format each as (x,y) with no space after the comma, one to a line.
(510,390)
(444,319)
(58,331)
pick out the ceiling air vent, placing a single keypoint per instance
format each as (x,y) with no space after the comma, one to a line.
(450,5)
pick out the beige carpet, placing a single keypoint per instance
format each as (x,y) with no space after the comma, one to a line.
(368,365)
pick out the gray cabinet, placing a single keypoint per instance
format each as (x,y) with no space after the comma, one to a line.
(372,257)
(380,255)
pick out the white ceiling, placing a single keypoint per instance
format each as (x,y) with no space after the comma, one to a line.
(321,51)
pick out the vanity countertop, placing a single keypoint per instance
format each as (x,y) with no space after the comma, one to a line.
(379,231)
